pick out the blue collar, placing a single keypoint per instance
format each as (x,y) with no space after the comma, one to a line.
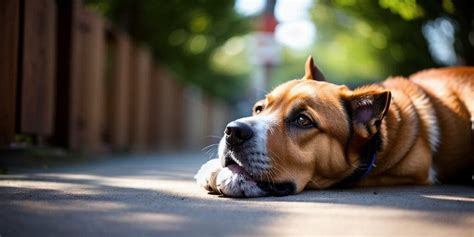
(367,163)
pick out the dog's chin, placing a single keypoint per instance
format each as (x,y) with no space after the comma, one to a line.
(236,181)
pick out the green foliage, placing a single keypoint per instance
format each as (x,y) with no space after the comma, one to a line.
(407,9)
(382,38)
(369,40)
(183,34)
(362,41)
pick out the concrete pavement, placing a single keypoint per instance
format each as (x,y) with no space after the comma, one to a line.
(155,195)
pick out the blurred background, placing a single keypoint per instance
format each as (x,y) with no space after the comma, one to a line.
(127,75)
(214,44)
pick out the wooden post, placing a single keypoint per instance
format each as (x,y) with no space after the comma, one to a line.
(9,37)
(38,67)
(140,72)
(118,88)
(87,84)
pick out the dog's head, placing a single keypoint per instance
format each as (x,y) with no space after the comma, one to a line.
(305,132)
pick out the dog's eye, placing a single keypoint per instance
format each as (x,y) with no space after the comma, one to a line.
(303,121)
(258,109)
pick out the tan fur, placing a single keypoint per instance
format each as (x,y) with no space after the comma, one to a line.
(428,123)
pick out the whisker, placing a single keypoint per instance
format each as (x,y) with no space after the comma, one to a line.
(210,146)
(213,136)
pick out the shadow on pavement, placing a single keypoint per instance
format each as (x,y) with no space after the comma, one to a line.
(133,197)
(98,208)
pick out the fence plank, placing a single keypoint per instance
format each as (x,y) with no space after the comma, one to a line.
(170,103)
(9,25)
(155,110)
(140,73)
(179,115)
(87,84)
(164,103)
(118,90)
(220,117)
(206,136)
(62,126)
(37,83)
(196,118)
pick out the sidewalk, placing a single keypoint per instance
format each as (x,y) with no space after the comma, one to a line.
(157,196)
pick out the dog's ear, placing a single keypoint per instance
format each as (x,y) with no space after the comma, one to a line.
(312,72)
(367,109)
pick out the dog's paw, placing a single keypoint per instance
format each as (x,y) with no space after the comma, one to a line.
(230,181)
(234,183)
(207,174)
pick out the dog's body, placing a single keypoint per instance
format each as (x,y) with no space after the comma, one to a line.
(309,133)
(428,128)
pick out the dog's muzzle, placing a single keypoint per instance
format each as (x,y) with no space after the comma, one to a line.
(243,152)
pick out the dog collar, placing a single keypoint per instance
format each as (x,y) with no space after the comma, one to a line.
(367,162)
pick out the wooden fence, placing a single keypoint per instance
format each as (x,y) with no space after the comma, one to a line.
(68,78)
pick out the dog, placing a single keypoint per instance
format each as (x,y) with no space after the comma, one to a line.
(311,134)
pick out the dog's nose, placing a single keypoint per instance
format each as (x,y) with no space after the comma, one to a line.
(237,133)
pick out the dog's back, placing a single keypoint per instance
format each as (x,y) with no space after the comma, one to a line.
(451,93)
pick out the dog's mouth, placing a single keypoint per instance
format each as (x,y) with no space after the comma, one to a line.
(235,167)
(229,161)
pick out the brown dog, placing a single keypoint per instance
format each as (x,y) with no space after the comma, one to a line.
(309,133)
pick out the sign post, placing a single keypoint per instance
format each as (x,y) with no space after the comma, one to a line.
(265,51)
